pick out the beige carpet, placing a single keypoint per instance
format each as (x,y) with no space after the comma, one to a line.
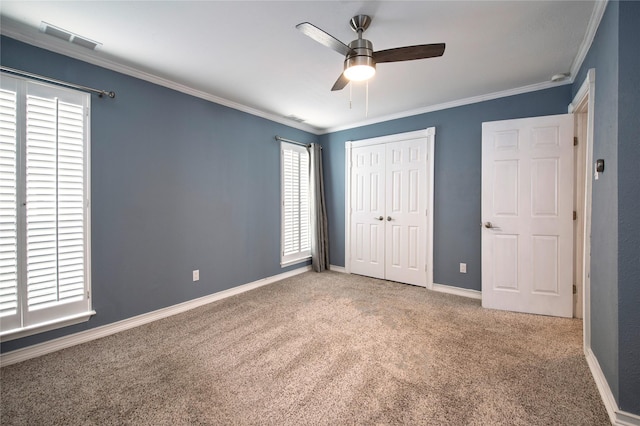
(318,349)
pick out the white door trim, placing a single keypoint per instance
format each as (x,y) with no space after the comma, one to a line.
(585,99)
(428,133)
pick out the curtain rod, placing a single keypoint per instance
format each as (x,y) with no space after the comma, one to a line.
(278,138)
(99,92)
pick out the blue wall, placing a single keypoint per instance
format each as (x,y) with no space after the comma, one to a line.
(177,183)
(615,235)
(457,175)
(629,208)
(603,56)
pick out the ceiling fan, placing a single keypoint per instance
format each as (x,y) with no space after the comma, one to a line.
(360,59)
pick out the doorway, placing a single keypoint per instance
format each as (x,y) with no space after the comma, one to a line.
(583,108)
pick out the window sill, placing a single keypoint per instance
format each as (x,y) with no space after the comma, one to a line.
(294,261)
(18,333)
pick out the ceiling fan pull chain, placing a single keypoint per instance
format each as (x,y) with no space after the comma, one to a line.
(366,108)
(350,95)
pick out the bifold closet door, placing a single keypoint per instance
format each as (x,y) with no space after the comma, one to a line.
(406,210)
(388,211)
(367,211)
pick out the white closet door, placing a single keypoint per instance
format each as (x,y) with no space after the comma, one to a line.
(406,214)
(368,209)
(389,192)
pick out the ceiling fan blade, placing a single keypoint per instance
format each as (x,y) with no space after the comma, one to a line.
(340,83)
(323,37)
(409,53)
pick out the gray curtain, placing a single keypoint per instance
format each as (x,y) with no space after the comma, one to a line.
(319,230)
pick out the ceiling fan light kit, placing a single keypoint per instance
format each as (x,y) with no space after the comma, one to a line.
(359,64)
(360,59)
(360,72)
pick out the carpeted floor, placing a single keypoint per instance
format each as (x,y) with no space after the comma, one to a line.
(318,349)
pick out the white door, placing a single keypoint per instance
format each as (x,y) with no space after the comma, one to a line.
(527,215)
(368,210)
(406,184)
(390,188)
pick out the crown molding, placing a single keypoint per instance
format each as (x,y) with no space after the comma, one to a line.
(70,51)
(594,22)
(446,105)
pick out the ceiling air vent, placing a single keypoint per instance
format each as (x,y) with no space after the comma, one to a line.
(65,35)
(295,118)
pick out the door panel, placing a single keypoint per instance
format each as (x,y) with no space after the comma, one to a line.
(527,205)
(505,264)
(406,211)
(368,209)
(505,188)
(545,264)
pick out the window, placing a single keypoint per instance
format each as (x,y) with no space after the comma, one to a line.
(44,206)
(296,243)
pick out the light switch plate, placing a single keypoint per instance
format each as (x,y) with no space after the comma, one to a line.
(463,268)
(196,275)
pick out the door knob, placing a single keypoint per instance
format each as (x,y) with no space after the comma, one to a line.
(388,218)
(379,218)
(488,225)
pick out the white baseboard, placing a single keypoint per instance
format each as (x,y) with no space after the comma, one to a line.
(40,349)
(617,416)
(464,292)
(626,419)
(340,269)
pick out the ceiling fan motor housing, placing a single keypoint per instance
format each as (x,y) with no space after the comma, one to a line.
(361,54)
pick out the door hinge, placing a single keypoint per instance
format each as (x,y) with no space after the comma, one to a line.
(426,212)
(88,295)
(575,215)
(575,289)
(575,141)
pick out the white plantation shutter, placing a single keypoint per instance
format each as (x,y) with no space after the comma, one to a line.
(55,219)
(296,243)
(71,225)
(8,204)
(49,240)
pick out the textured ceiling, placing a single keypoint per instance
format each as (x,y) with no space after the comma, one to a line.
(249,54)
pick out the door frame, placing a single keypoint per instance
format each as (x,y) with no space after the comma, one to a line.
(429,134)
(584,101)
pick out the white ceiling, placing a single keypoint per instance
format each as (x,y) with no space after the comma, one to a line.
(249,54)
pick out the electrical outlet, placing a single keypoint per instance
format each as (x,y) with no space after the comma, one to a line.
(463,268)
(196,275)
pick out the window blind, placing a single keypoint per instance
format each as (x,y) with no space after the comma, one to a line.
(55,252)
(8,201)
(296,243)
